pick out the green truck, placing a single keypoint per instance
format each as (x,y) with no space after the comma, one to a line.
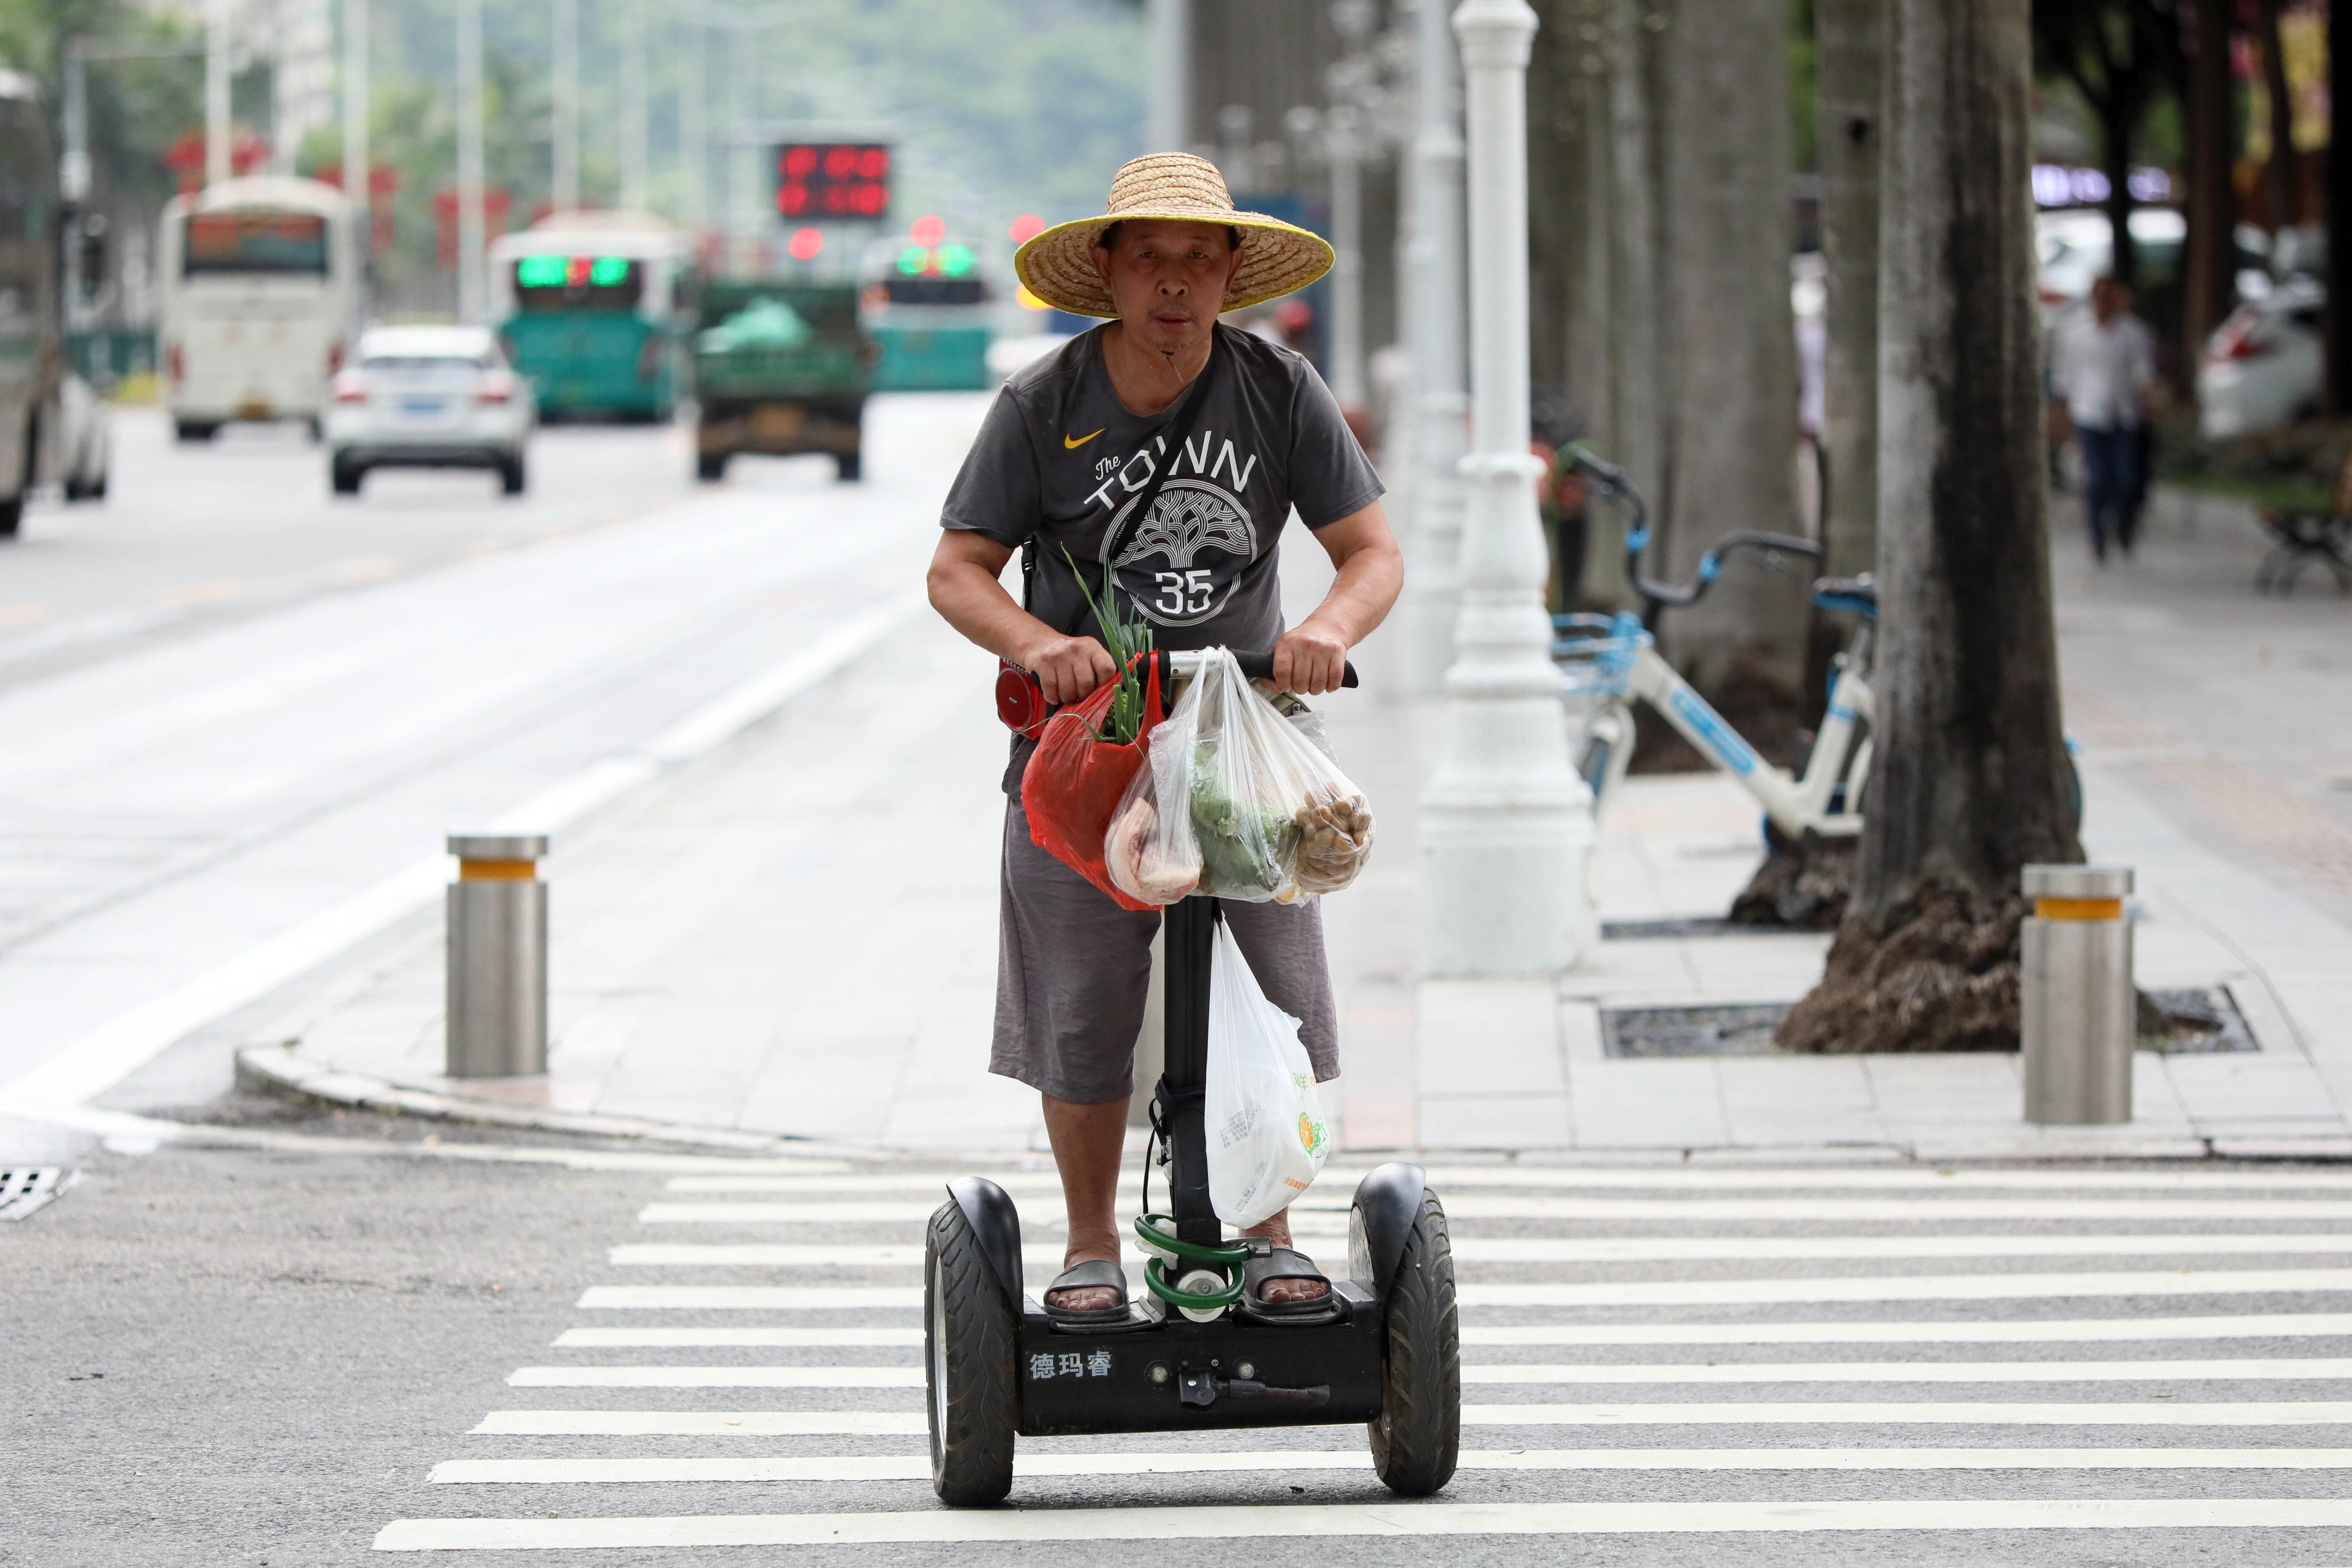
(781,369)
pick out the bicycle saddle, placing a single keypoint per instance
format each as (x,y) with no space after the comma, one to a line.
(1859,594)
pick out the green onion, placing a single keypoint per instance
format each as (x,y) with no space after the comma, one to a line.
(1124,639)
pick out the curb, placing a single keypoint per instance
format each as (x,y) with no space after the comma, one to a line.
(283,1073)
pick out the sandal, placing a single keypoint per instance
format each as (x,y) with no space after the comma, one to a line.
(1095,1274)
(1284,1263)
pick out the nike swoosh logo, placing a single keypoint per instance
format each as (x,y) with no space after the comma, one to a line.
(1072,443)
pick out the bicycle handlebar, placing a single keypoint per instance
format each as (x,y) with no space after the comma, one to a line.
(1256,665)
(1612,483)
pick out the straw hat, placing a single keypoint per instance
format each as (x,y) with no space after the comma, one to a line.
(1058,268)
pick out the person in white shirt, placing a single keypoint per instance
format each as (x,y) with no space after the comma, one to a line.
(2102,365)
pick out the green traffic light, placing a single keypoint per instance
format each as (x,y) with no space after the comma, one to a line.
(608,271)
(914,258)
(955,261)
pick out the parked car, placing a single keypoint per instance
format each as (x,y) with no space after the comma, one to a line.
(433,397)
(2076,245)
(2262,368)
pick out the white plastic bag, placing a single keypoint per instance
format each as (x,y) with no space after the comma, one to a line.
(1235,801)
(1266,1134)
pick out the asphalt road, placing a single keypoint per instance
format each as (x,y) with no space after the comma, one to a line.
(312,1352)
(242,713)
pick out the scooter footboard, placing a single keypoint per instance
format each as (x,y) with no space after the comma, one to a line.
(1178,1376)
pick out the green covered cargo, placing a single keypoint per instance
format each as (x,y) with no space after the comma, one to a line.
(781,369)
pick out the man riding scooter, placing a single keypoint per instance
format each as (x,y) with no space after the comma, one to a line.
(1071,445)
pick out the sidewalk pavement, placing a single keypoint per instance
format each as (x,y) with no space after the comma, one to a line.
(798,936)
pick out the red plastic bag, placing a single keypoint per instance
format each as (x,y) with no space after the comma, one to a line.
(1073,783)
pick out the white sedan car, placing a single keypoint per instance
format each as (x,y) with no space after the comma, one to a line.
(2263,367)
(434,397)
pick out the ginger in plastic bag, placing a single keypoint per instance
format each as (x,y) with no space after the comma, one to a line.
(1270,818)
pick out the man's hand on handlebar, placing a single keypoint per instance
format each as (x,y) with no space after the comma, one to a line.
(1310,659)
(1069,669)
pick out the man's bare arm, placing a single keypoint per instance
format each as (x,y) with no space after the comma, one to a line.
(1313,655)
(965,589)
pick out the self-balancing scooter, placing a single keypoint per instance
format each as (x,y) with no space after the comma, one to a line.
(1388,1353)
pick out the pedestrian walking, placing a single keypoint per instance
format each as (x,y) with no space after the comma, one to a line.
(2102,365)
(1070,446)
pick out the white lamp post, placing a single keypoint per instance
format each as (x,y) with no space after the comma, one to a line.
(1441,401)
(635,164)
(563,182)
(1506,825)
(355,122)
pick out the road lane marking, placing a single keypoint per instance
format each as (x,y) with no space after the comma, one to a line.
(107,1055)
(1602,1249)
(1636,1178)
(1630,1293)
(1812,1211)
(716,1377)
(710,1338)
(1311,1520)
(1526,1374)
(2053,1330)
(1723,1412)
(1042,1467)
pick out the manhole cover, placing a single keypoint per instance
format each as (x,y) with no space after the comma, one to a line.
(1743,1030)
(2199,1018)
(27,1188)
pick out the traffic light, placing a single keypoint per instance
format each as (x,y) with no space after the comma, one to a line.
(832,180)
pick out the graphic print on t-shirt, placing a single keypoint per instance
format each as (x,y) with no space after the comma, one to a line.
(1181,562)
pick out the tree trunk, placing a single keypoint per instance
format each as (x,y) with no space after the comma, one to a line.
(1729,342)
(2339,218)
(2278,175)
(1849,47)
(2115,145)
(2210,268)
(1969,781)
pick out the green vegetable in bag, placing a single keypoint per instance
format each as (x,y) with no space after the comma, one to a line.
(1242,842)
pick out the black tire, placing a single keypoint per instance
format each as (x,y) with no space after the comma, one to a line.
(12,516)
(194,429)
(969,1353)
(1418,1437)
(849,467)
(711,468)
(346,476)
(510,476)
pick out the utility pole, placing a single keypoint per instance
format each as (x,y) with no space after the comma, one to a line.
(1506,825)
(471,228)
(636,174)
(355,122)
(1168,32)
(73,167)
(1342,148)
(217,131)
(1441,400)
(563,182)
(693,126)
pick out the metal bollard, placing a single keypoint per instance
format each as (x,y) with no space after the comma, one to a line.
(2078,1002)
(497,957)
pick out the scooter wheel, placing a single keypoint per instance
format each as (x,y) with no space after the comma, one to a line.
(969,1347)
(1418,1437)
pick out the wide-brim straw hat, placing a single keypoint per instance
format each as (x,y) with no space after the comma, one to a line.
(1058,265)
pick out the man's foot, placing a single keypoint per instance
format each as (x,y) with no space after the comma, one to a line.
(1086,1298)
(1286,1291)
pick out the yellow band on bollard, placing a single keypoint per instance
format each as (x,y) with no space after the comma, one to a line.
(497,870)
(2078,909)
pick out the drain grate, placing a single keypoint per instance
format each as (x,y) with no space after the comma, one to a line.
(1679,926)
(26,1188)
(2200,1019)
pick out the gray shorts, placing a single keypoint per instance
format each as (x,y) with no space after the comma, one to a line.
(1072,970)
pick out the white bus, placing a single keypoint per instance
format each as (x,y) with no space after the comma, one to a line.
(261,296)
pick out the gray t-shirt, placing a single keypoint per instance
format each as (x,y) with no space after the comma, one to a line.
(1059,459)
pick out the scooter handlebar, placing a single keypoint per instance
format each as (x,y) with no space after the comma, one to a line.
(1256,665)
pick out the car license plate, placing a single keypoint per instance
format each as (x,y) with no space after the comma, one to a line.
(424,407)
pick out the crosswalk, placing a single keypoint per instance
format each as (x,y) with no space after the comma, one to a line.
(2147,1356)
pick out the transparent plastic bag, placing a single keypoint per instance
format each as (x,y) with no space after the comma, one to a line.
(1267,1134)
(1265,814)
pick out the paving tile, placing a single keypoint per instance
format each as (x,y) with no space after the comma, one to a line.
(1647,1104)
(1494,1122)
(2241,1085)
(1491,1037)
